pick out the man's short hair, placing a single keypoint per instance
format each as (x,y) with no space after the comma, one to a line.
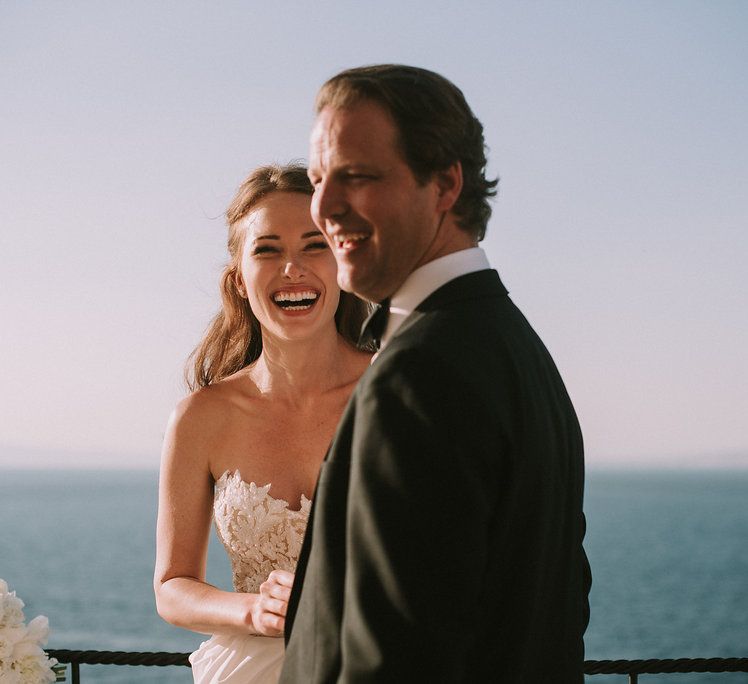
(436,128)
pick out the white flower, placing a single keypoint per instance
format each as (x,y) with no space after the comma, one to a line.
(38,629)
(22,658)
(35,670)
(9,637)
(11,607)
(10,677)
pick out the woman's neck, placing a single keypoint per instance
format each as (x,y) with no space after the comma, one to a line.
(296,371)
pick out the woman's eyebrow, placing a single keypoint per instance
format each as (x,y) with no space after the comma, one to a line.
(309,234)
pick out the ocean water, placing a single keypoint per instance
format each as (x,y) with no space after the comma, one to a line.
(669,556)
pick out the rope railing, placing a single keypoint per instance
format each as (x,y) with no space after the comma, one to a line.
(632,668)
(160,658)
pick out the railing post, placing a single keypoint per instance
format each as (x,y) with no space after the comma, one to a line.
(633,678)
(75,673)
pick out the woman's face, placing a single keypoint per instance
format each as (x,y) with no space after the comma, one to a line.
(287,269)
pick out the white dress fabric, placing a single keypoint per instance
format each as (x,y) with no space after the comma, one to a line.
(260,534)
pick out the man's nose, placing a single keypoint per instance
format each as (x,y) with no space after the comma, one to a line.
(328,202)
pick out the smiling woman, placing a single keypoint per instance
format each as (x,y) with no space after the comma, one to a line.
(287,271)
(233,339)
(270,380)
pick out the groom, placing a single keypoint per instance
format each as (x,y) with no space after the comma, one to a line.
(445,543)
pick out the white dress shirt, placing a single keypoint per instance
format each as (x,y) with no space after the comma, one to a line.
(427,279)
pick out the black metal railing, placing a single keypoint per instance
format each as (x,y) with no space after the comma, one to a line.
(632,668)
(77,658)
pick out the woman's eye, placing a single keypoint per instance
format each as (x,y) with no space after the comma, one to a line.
(265,249)
(317,245)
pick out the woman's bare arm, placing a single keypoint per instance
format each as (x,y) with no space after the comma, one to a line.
(183,597)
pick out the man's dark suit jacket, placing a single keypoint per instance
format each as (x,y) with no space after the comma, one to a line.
(445,542)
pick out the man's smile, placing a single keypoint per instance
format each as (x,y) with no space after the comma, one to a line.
(345,242)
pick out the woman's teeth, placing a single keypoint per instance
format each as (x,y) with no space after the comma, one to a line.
(296,301)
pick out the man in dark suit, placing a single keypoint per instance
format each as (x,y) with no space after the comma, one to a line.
(445,541)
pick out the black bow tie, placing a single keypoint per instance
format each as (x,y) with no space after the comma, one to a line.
(375,325)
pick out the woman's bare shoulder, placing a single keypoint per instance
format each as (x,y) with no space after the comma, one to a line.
(210,409)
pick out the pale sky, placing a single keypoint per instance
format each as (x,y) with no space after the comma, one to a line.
(621,228)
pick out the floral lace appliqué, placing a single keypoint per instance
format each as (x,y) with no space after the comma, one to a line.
(260,533)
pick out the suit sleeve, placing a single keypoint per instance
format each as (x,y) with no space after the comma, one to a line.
(421,497)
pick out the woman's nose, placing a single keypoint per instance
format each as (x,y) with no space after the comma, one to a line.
(293,269)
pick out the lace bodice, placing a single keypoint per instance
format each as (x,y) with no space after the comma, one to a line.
(260,533)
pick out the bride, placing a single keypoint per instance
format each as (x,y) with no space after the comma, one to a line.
(271,378)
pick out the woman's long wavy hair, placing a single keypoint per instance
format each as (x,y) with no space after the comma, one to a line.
(233,339)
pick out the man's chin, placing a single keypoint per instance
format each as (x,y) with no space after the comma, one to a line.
(345,283)
(369,289)
(348,283)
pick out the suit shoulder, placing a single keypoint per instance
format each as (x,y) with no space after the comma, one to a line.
(425,375)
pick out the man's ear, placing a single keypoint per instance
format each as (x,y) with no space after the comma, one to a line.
(449,186)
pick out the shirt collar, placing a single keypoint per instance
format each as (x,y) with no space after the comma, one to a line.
(427,279)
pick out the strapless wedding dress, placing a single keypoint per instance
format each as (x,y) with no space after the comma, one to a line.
(260,534)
